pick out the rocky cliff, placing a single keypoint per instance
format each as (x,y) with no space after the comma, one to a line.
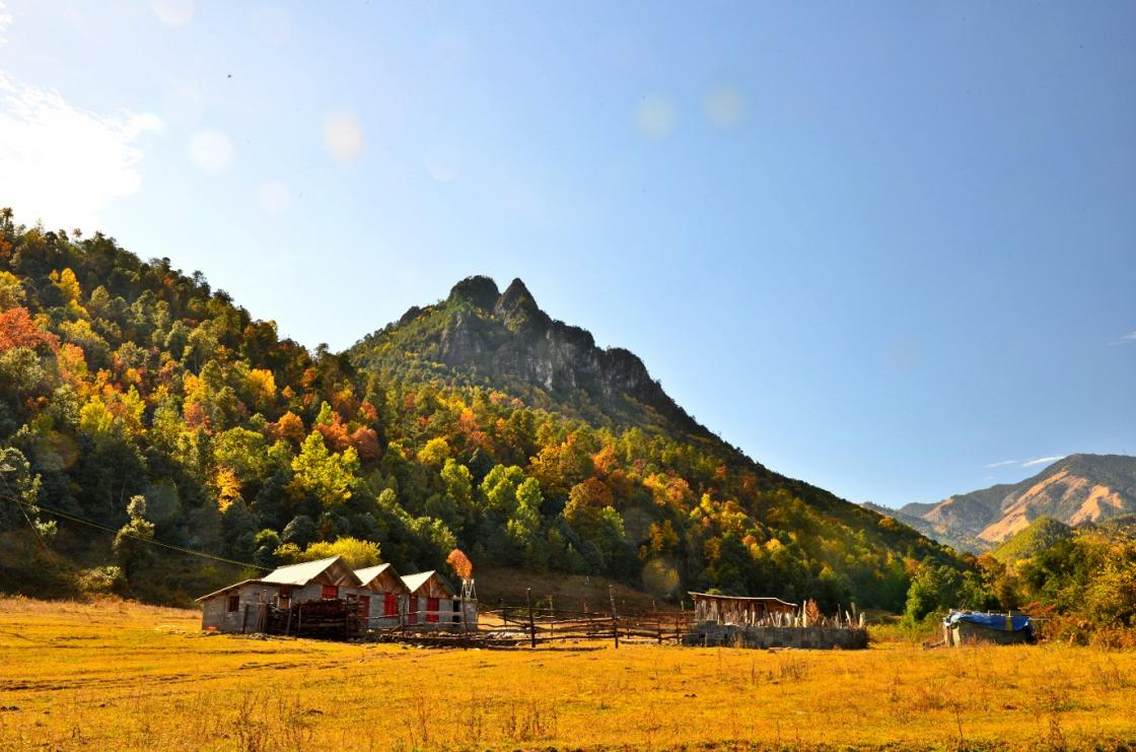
(505,337)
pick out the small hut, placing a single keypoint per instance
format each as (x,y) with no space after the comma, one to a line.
(386,606)
(431,603)
(243,607)
(970,627)
(738,609)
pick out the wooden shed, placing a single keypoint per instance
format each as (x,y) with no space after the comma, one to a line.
(738,609)
(243,607)
(431,602)
(387,602)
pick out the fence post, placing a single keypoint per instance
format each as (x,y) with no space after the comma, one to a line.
(551,619)
(614,616)
(532,626)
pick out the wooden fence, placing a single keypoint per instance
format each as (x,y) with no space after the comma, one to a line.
(542,623)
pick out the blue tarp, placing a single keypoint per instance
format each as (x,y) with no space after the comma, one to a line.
(990,621)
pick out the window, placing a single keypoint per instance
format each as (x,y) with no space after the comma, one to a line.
(330,592)
(234,603)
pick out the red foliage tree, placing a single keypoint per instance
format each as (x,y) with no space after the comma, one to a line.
(366,443)
(18,329)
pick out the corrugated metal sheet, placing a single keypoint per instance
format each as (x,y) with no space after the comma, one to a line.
(369,573)
(299,574)
(417,580)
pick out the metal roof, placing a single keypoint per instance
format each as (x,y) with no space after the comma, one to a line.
(417,580)
(230,587)
(764,598)
(367,574)
(301,574)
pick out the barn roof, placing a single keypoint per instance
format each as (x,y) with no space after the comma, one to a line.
(304,572)
(367,575)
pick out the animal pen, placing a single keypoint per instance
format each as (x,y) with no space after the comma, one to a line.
(756,622)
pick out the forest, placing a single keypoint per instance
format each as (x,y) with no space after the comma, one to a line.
(144,414)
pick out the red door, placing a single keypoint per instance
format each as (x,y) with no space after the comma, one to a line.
(431,609)
(390,605)
(412,614)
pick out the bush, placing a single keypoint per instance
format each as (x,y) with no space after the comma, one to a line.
(100,581)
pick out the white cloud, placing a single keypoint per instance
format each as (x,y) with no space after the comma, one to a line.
(173,12)
(1024,463)
(1042,461)
(343,136)
(725,106)
(1129,338)
(5,21)
(274,196)
(1003,463)
(655,117)
(63,164)
(211,150)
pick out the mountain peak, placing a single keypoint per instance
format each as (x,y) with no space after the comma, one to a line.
(512,344)
(517,300)
(478,290)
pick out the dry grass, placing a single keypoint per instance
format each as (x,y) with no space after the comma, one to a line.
(114,675)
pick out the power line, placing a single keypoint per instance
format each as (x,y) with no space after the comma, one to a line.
(151,541)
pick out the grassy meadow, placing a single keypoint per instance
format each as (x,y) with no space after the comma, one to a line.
(114,675)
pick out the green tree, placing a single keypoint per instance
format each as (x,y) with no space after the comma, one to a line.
(19,489)
(131,545)
(326,476)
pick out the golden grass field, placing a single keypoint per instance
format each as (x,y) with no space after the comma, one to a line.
(113,675)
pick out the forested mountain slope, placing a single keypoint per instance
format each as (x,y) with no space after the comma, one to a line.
(138,398)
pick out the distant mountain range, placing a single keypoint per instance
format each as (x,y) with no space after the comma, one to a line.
(1079,489)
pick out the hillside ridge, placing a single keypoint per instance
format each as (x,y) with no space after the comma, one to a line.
(1075,490)
(141,399)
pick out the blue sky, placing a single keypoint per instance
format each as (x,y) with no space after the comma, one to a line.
(887,248)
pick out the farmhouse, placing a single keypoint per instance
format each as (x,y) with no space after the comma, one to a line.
(244,607)
(386,603)
(431,601)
